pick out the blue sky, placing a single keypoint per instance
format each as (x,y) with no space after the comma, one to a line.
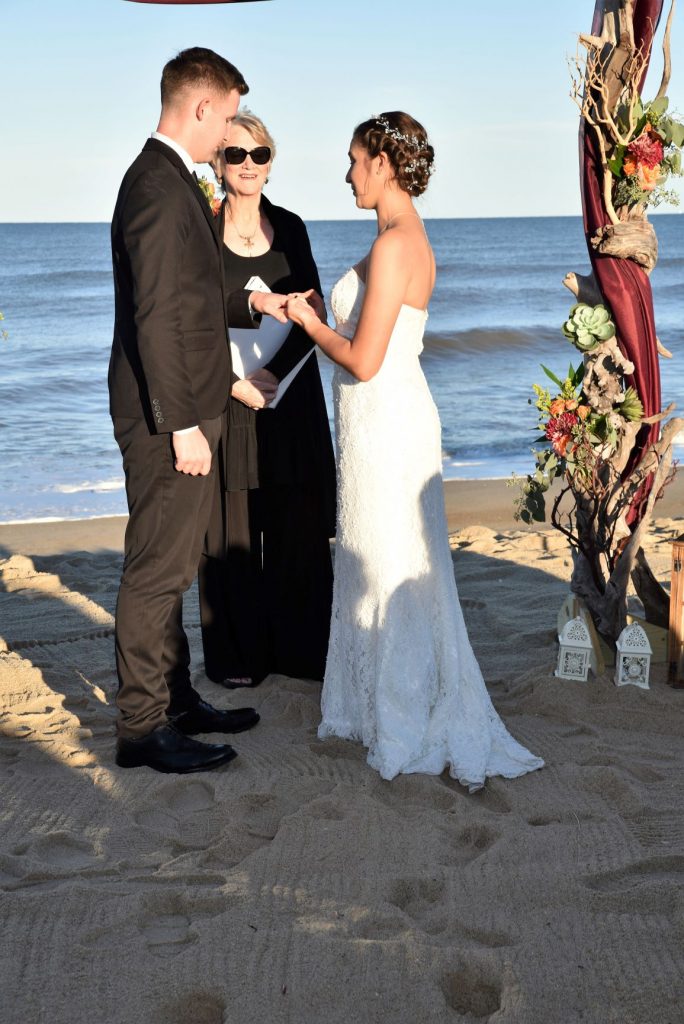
(79,95)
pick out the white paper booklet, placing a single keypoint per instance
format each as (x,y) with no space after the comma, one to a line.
(252,349)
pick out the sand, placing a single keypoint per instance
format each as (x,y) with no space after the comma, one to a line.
(297,886)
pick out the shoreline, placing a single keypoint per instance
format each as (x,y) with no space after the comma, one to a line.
(488,503)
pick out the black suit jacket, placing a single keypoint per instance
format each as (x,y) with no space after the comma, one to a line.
(170,363)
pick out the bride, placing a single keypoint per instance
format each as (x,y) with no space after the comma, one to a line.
(400,675)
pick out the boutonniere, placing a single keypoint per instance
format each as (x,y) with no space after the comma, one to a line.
(209,191)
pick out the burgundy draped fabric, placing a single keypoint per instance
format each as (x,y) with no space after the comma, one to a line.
(624,285)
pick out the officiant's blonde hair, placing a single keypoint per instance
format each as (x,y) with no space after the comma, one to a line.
(256,128)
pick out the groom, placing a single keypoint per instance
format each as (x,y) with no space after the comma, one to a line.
(169,382)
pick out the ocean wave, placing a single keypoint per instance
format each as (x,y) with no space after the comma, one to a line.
(98,487)
(483,339)
(60,277)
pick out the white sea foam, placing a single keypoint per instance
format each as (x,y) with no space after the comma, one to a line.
(99,487)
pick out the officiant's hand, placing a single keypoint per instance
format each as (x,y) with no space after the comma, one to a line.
(265,381)
(255,393)
(270,304)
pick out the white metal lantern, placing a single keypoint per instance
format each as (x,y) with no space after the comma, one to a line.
(633,661)
(575,651)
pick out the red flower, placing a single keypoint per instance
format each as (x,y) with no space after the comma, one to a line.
(647,149)
(559,431)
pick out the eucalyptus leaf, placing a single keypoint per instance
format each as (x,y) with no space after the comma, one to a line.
(677,134)
(659,105)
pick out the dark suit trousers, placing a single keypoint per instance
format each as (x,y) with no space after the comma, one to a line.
(168,516)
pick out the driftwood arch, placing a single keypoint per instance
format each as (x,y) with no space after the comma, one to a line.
(609,439)
(612,515)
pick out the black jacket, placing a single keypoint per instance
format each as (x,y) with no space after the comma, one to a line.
(170,361)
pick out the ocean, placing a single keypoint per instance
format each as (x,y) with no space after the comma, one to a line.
(494,317)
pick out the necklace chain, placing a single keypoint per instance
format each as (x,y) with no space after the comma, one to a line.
(247,240)
(406,213)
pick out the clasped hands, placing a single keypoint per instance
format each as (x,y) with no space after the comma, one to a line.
(259,389)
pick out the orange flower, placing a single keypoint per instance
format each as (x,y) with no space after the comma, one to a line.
(557,407)
(629,165)
(583,411)
(570,404)
(648,176)
(561,443)
(216,206)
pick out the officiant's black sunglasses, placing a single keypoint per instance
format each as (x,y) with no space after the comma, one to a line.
(238,155)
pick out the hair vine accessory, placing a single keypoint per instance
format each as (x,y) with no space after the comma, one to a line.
(394,133)
(416,165)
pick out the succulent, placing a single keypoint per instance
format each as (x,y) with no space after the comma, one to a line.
(631,406)
(587,326)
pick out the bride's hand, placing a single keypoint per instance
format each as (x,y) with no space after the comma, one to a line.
(299,310)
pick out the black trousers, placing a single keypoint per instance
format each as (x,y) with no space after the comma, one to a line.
(168,516)
(266,597)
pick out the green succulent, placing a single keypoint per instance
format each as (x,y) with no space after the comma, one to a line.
(587,326)
(631,406)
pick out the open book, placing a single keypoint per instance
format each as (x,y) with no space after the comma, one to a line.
(252,349)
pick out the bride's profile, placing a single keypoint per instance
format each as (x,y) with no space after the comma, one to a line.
(400,675)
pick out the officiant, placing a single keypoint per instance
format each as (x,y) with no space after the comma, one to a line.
(265,577)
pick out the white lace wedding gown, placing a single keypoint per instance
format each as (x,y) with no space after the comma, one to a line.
(401,675)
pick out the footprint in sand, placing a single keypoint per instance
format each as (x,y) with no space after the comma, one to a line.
(252,821)
(609,783)
(193,1008)
(642,773)
(423,900)
(467,844)
(168,922)
(653,870)
(660,829)
(491,796)
(419,792)
(59,850)
(339,750)
(166,935)
(651,886)
(472,992)
(184,812)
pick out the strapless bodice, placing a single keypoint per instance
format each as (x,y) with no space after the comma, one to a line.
(346,301)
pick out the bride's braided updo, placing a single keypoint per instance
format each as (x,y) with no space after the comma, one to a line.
(404,141)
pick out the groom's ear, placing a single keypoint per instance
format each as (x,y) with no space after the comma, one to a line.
(201,108)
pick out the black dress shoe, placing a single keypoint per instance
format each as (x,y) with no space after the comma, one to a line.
(167,750)
(204,718)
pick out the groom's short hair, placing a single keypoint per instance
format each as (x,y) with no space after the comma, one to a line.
(199,66)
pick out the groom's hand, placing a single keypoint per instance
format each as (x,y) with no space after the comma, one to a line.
(270,304)
(192,453)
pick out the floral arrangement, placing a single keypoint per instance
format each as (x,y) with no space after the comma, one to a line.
(643,165)
(639,144)
(580,426)
(210,194)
